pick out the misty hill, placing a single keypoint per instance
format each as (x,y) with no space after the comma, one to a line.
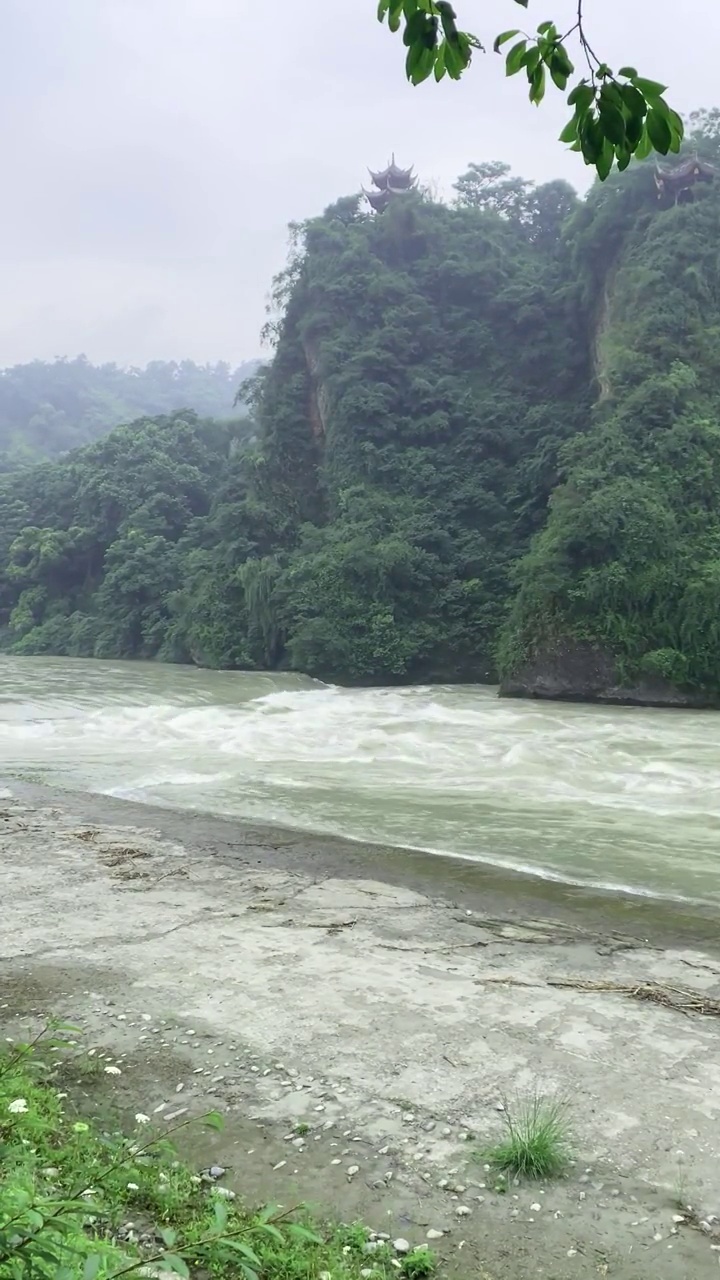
(487,444)
(47,408)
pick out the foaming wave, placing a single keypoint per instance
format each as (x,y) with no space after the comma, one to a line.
(609,799)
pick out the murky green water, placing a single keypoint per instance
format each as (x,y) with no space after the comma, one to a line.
(605,796)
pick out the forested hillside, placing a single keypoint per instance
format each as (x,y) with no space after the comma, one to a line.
(488,441)
(618,595)
(50,407)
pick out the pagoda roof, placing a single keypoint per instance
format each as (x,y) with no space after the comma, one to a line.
(379,200)
(691,169)
(393,177)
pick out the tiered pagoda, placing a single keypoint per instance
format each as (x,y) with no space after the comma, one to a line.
(389,183)
(677,181)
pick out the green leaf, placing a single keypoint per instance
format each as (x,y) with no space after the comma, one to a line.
(661,106)
(169,1237)
(423,66)
(544,28)
(650,88)
(558,75)
(629,72)
(591,139)
(633,101)
(524,3)
(454,64)
(439,68)
(570,132)
(658,131)
(605,160)
(634,128)
(298,1232)
(269,1229)
(239,1246)
(173,1262)
(677,128)
(581,96)
(612,123)
(502,39)
(644,146)
(221,1213)
(530,60)
(513,61)
(92,1266)
(537,86)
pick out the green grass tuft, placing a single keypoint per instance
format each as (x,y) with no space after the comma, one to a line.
(536,1141)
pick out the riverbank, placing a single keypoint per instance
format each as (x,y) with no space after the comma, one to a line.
(391,1003)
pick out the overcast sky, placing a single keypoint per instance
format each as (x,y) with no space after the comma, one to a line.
(155,150)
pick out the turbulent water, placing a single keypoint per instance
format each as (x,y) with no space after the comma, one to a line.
(616,797)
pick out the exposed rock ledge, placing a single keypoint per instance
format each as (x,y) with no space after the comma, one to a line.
(576,672)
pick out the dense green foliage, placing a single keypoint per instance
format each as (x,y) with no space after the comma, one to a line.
(488,430)
(47,408)
(630,556)
(426,371)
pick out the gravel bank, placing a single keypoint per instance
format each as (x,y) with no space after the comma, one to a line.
(387,1005)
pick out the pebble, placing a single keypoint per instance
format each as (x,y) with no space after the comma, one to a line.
(371,1246)
(365,1272)
(535,1208)
(299,1143)
(408,1116)
(462,1211)
(401,1246)
(225,1192)
(432,1234)
(678,1217)
(352,1170)
(336,1161)
(280,1165)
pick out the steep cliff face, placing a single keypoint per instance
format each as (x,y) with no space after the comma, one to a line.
(441,370)
(617,597)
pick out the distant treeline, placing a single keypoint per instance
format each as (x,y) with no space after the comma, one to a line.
(50,407)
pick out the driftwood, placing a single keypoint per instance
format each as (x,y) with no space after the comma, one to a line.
(681,999)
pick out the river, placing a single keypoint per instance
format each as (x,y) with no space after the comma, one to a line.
(615,797)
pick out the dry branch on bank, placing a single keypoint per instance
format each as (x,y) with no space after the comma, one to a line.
(681,999)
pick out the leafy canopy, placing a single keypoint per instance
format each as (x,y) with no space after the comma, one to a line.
(615,115)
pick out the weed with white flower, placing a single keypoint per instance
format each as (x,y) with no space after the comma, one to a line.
(66,1188)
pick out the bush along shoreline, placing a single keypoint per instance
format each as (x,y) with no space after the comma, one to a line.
(81,1202)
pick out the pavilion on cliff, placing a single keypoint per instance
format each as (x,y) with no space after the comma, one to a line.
(676,182)
(389,183)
